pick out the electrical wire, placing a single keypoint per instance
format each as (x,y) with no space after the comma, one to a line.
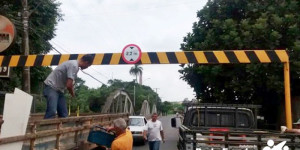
(61,53)
(92,76)
(63,49)
(56,50)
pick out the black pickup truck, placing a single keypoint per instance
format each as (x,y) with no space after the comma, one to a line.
(218,126)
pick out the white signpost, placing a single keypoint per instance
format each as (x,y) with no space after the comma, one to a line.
(131,54)
(15,115)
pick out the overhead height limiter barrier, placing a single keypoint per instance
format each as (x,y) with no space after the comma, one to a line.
(197,57)
(186,57)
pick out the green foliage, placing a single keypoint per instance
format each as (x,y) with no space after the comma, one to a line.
(95,104)
(44,15)
(242,24)
(166,107)
(232,25)
(136,70)
(171,107)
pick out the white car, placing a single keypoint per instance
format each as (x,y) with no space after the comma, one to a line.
(137,125)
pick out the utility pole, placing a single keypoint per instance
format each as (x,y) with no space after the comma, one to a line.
(25,45)
(134,93)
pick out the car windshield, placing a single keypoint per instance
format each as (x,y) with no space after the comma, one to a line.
(136,122)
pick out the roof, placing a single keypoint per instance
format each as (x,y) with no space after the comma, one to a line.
(191,104)
(136,116)
(229,108)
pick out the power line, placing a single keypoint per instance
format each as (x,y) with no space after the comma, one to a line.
(55,49)
(61,53)
(60,47)
(99,73)
(56,43)
(92,76)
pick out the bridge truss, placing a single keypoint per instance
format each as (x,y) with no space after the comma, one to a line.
(118,102)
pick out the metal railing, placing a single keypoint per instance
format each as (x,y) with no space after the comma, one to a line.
(39,131)
(203,139)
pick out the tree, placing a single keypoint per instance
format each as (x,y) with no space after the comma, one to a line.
(166,107)
(44,16)
(231,24)
(136,70)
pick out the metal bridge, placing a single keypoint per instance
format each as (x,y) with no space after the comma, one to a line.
(118,102)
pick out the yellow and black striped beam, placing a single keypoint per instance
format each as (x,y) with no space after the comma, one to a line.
(197,57)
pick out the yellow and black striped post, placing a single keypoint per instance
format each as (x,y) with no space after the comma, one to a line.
(195,57)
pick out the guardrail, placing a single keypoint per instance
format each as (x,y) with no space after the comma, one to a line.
(60,131)
(203,139)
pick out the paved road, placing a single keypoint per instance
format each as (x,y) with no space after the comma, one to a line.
(171,136)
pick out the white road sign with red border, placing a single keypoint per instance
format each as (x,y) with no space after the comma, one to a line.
(131,54)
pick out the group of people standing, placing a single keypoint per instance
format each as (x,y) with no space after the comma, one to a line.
(63,77)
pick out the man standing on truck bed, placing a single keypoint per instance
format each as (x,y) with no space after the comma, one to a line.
(155,133)
(60,78)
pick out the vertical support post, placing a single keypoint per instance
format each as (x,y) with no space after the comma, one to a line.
(121,104)
(78,111)
(76,141)
(236,117)
(69,108)
(57,143)
(259,141)
(287,91)
(226,140)
(25,44)
(33,131)
(194,140)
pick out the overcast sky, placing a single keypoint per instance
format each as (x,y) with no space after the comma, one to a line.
(107,26)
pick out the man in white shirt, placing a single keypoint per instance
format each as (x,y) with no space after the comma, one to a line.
(155,133)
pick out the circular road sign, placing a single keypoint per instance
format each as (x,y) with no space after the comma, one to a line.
(131,54)
(7,33)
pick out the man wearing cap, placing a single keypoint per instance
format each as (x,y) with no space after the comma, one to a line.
(296,129)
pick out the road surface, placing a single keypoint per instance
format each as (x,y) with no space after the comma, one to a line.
(171,136)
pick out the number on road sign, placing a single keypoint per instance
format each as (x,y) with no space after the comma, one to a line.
(131,54)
